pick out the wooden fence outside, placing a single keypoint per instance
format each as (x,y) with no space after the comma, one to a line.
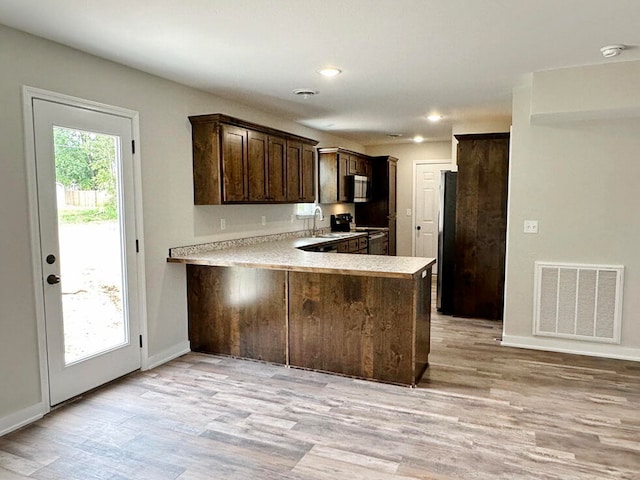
(86,198)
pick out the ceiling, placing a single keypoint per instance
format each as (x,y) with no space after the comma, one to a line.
(400,59)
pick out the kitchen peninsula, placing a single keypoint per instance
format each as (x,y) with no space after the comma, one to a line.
(267,299)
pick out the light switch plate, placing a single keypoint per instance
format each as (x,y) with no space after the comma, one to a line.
(530,226)
(264,220)
(223,224)
(408,212)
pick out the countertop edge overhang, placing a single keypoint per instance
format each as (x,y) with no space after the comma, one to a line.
(286,255)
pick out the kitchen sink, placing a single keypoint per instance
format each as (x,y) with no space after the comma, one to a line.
(335,235)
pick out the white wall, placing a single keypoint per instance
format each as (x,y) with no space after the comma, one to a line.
(407,154)
(170,218)
(579,179)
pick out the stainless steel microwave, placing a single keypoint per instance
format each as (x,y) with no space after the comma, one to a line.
(358,188)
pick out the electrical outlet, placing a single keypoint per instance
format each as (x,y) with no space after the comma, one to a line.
(530,226)
(223,224)
(264,220)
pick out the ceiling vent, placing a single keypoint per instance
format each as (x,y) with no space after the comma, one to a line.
(305,92)
(612,50)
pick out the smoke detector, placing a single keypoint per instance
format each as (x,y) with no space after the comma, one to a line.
(305,92)
(612,50)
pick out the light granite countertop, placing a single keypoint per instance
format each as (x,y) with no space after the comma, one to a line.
(285,254)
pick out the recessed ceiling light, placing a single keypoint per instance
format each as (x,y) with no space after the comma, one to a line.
(434,118)
(330,72)
(305,92)
(418,139)
(612,50)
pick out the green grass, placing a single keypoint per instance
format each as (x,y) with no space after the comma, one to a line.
(88,215)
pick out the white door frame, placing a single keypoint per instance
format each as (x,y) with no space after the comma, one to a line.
(28,94)
(446,161)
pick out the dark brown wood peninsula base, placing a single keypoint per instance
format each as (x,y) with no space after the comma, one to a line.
(238,311)
(370,327)
(373,327)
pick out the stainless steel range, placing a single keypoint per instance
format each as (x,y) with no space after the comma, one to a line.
(378,239)
(341,222)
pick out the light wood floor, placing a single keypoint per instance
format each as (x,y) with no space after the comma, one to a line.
(481,412)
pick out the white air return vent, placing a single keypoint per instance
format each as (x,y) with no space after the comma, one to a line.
(580,302)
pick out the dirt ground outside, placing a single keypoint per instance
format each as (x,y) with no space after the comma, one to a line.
(91,272)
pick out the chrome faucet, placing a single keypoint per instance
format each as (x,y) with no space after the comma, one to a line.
(316,210)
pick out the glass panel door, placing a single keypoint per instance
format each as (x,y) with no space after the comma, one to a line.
(89,232)
(86,213)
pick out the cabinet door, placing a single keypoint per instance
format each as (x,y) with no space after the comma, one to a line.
(307,174)
(392,235)
(257,166)
(393,174)
(343,171)
(353,165)
(294,161)
(343,247)
(277,169)
(365,167)
(328,177)
(362,166)
(234,164)
(358,165)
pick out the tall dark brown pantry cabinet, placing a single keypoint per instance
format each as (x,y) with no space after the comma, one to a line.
(380,211)
(481,225)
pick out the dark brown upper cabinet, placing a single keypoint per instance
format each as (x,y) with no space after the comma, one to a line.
(240,162)
(334,167)
(234,142)
(258,166)
(300,172)
(277,169)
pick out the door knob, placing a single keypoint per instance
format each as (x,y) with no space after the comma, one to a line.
(418,227)
(53,279)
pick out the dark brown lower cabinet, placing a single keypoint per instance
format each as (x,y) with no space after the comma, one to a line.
(364,326)
(237,311)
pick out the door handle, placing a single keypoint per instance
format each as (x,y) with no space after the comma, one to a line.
(53,279)
(418,227)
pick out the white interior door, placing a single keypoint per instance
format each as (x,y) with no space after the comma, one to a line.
(427,201)
(86,212)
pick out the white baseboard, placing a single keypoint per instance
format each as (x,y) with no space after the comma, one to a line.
(569,346)
(166,355)
(35,412)
(22,417)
